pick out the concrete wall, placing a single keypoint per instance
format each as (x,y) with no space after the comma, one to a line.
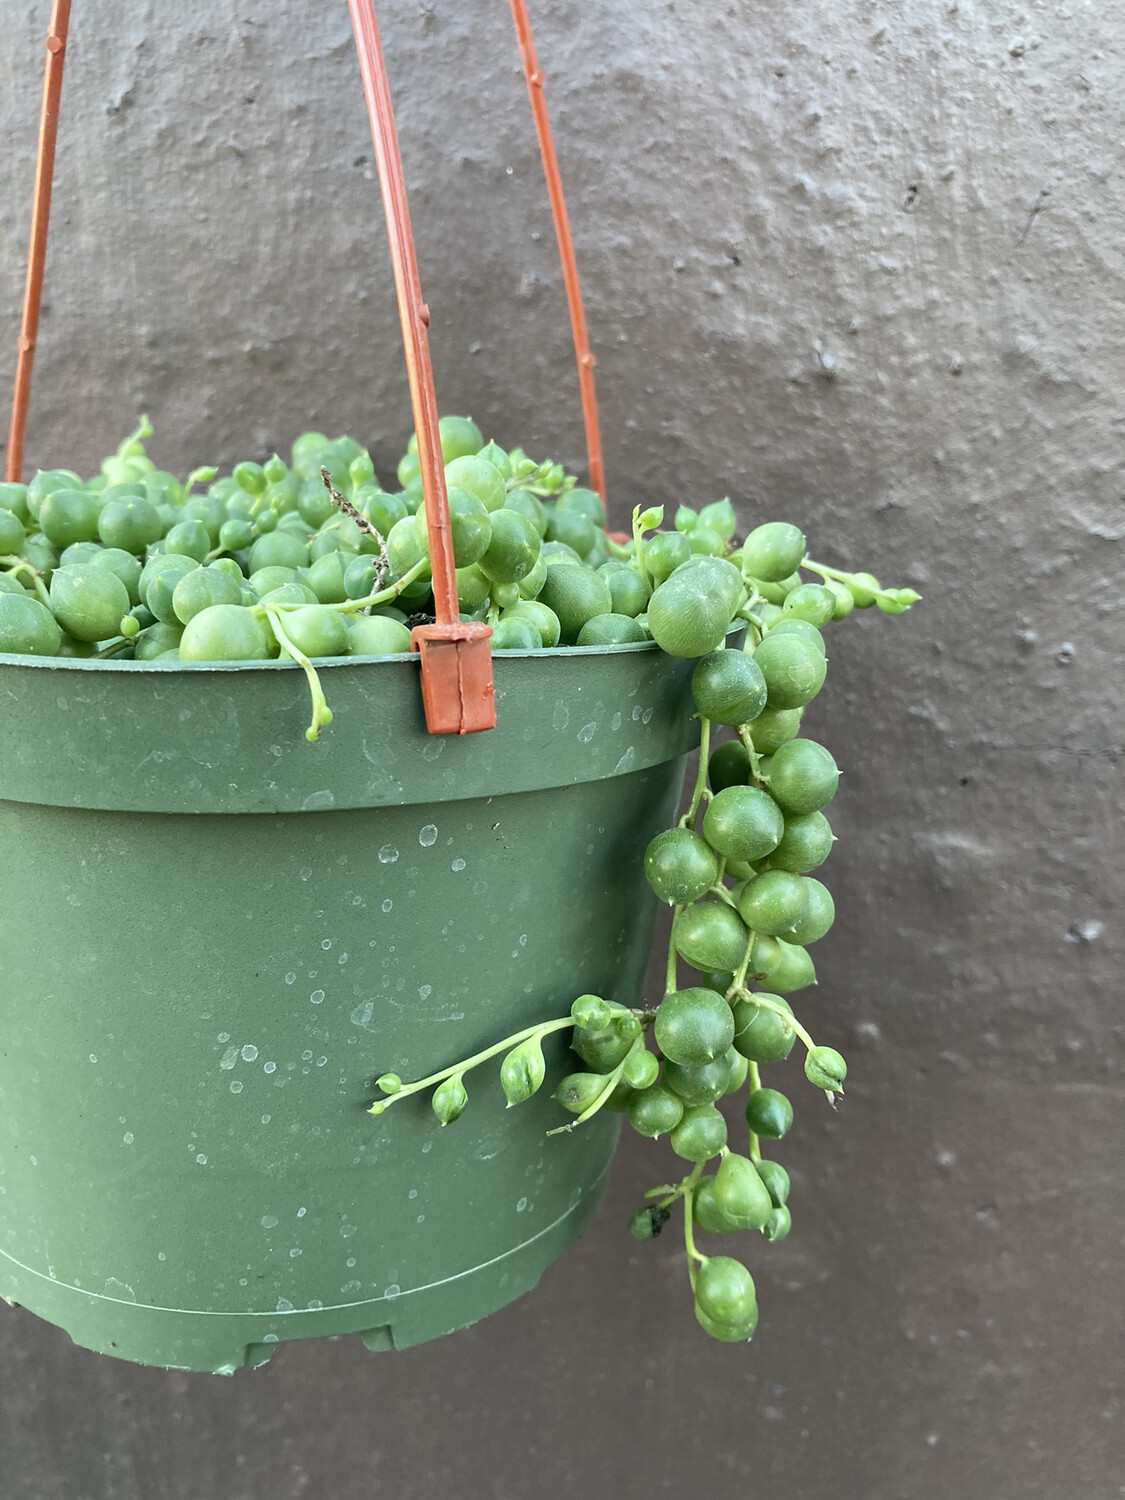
(859,265)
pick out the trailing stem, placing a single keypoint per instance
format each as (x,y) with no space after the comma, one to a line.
(16,565)
(779,1010)
(404,1090)
(755,760)
(611,1082)
(321,713)
(670,967)
(755,1082)
(694,1256)
(700,792)
(737,986)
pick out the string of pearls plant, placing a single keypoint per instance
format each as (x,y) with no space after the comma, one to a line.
(737,871)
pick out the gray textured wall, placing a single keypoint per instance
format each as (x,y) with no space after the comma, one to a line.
(861,265)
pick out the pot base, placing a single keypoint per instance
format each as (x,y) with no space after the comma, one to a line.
(221,1343)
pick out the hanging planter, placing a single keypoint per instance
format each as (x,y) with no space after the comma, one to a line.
(230,952)
(220,931)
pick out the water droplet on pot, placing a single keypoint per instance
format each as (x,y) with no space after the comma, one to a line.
(236,1087)
(269,1221)
(428,835)
(458,865)
(316,997)
(388,854)
(363,1012)
(249,1053)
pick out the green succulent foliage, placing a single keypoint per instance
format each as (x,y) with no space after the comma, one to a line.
(312,559)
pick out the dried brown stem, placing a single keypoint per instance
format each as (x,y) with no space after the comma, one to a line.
(383,565)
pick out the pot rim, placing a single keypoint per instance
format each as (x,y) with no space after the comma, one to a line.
(322,663)
(325,663)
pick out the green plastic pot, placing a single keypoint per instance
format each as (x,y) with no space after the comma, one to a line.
(216,935)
